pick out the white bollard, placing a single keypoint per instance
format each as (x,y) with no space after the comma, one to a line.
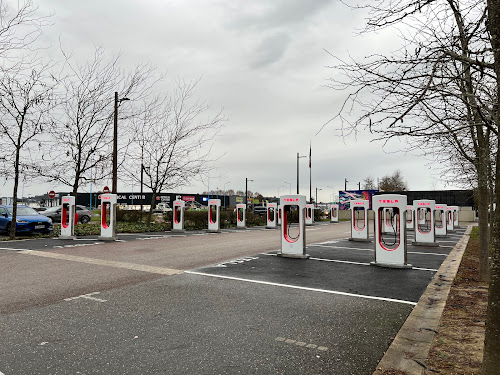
(359,220)
(456,212)
(108,217)
(214,215)
(69,218)
(390,246)
(450,223)
(293,237)
(178,216)
(279,215)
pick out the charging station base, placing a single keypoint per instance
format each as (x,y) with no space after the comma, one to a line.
(296,256)
(106,238)
(391,265)
(67,237)
(431,244)
(359,239)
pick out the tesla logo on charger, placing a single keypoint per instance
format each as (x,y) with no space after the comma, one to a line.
(423,204)
(177,204)
(291,199)
(359,203)
(106,198)
(449,208)
(388,201)
(66,199)
(212,202)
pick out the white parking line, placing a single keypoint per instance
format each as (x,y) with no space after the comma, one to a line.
(10,249)
(366,264)
(361,249)
(303,288)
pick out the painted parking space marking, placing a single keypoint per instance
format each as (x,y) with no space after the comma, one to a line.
(303,288)
(366,264)
(77,245)
(10,249)
(362,249)
(108,263)
(87,296)
(301,343)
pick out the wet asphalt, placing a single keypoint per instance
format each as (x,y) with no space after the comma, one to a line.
(234,307)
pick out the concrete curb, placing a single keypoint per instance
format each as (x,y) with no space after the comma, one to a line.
(409,350)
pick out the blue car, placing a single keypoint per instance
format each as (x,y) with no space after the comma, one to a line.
(28,220)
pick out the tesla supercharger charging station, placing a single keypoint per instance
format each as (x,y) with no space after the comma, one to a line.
(456,211)
(279,215)
(293,238)
(309,214)
(271,215)
(359,220)
(108,217)
(68,218)
(410,218)
(390,246)
(178,216)
(425,234)
(450,224)
(214,215)
(241,215)
(440,220)
(334,213)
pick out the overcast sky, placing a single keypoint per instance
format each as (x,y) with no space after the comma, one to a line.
(265,63)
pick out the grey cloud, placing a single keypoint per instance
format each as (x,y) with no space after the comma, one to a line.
(278,13)
(270,50)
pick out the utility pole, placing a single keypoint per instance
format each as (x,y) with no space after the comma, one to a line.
(115,143)
(298,157)
(359,185)
(345,184)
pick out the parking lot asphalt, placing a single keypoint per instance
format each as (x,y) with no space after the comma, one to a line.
(204,304)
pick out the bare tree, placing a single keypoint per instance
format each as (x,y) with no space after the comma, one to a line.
(172,140)
(26,99)
(394,182)
(491,361)
(369,183)
(443,83)
(82,134)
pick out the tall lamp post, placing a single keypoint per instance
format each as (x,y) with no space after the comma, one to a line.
(115,143)
(333,192)
(317,196)
(345,184)
(298,157)
(246,190)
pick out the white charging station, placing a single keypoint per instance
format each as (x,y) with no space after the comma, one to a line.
(214,215)
(271,215)
(241,215)
(390,246)
(178,216)
(293,237)
(279,215)
(440,220)
(450,223)
(309,214)
(359,220)
(456,211)
(334,213)
(425,234)
(69,218)
(410,218)
(108,217)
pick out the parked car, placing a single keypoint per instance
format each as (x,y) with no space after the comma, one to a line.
(260,210)
(27,220)
(54,213)
(162,208)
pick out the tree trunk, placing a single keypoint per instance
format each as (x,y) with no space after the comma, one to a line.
(483,205)
(150,213)
(12,233)
(491,359)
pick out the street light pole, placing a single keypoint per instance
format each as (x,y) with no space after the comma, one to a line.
(298,157)
(246,189)
(115,143)
(317,196)
(345,184)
